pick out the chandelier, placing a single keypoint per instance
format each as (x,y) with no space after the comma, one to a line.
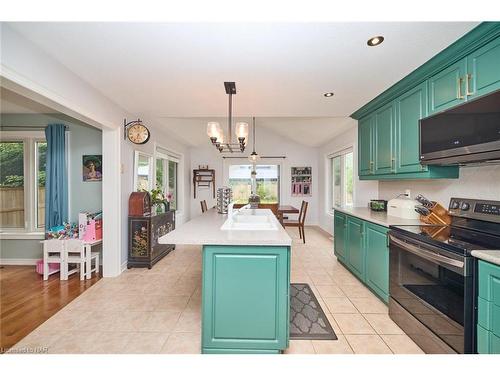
(216,134)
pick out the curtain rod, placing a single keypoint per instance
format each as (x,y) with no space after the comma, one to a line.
(246,157)
(12,127)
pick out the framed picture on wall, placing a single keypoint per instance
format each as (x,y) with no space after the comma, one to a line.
(92,168)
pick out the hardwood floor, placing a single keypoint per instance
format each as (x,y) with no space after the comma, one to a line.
(26,301)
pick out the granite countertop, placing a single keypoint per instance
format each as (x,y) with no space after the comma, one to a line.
(492,256)
(377,217)
(205,230)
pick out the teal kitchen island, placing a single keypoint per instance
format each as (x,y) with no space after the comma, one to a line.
(245,280)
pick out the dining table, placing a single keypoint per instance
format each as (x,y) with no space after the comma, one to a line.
(286,209)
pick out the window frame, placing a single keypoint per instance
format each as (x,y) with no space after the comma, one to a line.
(330,158)
(167,154)
(30,229)
(262,161)
(152,177)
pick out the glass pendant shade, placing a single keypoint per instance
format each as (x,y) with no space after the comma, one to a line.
(214,130)
(220,138)
(241,130)
(254,157)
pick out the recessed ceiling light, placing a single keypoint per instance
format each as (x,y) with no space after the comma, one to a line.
(328,94)
(375,41)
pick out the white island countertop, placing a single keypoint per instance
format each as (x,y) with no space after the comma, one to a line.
(377,217)
(206,230)
(492,256)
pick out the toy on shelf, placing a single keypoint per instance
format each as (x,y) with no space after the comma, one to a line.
(91,223)
(62,232)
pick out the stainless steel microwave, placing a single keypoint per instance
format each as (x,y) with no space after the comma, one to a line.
(468,133)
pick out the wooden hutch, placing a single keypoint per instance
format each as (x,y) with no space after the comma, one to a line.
(144,228)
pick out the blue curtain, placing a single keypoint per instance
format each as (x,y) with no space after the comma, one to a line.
(56,182)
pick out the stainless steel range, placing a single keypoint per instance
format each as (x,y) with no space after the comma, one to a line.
(431,275)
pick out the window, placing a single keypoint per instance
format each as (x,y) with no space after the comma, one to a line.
(268,178)
(143,171)
(22,182)
(342,181)
(167,175)
(172,182)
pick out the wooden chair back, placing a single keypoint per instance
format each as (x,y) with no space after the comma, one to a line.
(303,211)
(203,206)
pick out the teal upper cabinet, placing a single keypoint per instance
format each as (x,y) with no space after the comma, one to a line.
(483,70)
(388,127)
(366,148)
(355,255)
(339,234)
(447,88)
(410,108)
(389,141)
(384,140)
(377,260)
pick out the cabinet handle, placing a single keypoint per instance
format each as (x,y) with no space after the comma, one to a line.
(371,166)
(459,91)
(467,85)
(393,165)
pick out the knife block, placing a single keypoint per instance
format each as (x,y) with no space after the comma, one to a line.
(438,216)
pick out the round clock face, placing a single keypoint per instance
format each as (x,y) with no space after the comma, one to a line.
(138,134)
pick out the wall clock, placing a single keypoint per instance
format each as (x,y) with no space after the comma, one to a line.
(136,132)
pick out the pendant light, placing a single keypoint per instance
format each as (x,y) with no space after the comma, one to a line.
(216,134)
(254,157)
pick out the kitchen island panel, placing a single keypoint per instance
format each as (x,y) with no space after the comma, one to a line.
(245,299)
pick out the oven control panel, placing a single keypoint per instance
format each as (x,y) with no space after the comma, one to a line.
(475,209)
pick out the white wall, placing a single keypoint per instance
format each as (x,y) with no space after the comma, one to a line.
(363,190)
(164,140)
(268,143)
(481,182)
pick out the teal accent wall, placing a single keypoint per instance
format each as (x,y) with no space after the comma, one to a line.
(20,249)
(83,196)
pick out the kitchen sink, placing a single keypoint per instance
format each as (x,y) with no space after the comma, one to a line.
(251,220)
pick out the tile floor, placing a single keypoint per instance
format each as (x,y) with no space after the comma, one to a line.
(158,310)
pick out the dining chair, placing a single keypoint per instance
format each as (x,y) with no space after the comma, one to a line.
(53,252)
(299,222)
(203,206)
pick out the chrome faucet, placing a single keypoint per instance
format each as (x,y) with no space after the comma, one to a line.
(231,211)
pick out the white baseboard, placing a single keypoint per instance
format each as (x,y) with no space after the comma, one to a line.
(18,262)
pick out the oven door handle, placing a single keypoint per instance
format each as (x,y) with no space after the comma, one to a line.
(426,254)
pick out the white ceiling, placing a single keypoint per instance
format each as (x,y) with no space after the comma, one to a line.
(281,70)
(10,102)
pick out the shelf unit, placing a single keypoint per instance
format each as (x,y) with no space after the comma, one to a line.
(204,178)
(301,181)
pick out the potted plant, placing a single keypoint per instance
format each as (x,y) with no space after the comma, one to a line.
(158,200)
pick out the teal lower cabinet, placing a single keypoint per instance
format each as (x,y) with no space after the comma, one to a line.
(245,299)
(488,321)
(363,248)
(354,242)
(339,235)
(377,260)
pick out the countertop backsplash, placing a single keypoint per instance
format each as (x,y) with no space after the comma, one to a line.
(481,182)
